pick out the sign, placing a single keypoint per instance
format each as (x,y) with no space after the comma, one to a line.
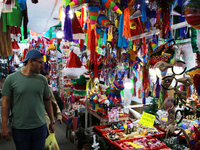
(147,119)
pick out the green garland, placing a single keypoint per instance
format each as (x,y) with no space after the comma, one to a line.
(194,40)
(79,92)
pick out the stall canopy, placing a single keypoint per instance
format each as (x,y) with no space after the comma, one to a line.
(43,15)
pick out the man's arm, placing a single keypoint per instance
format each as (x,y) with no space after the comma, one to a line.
(49,110)
(6,132)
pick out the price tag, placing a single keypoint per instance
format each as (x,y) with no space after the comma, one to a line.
(147,119)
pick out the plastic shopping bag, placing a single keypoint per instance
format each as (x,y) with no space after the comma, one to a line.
(51,143)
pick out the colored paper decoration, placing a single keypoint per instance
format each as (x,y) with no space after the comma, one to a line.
(78,2)
(93,13)
(103,20)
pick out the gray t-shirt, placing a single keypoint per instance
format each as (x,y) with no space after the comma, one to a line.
(27,94)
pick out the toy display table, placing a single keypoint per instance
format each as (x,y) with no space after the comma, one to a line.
(104,119)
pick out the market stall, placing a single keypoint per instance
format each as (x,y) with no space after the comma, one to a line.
(103,55)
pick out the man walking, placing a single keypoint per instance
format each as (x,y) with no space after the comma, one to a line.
(27,95)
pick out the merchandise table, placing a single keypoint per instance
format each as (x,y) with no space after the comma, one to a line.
(104,119)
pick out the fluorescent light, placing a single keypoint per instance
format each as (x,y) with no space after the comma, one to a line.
(59,34)
(128,84)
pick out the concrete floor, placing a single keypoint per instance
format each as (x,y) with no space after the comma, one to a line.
(60,131)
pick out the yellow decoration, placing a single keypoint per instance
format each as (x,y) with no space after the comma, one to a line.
(116,23)
(125,126)
(78,13)
(119,11)
(193,72)
(51,47)
(110,33)
(72,4)
(147,119)
(132,25)
(45,58)
(133,55)
(135,145)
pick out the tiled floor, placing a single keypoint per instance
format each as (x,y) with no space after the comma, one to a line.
(63,143)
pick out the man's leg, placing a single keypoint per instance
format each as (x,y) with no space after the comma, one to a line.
(21,138)
(38,137)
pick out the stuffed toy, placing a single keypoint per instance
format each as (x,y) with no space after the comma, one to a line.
(171,119)
(115,89)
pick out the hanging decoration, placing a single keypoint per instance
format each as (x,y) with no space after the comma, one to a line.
(93,14)
(126,24)
(68,25)
(162,53)
(192,13)
(105,3)
(74,67)
(164,10)
(103,20)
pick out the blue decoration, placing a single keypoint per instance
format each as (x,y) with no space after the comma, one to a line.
(68,34)
(121,39)
(143,10)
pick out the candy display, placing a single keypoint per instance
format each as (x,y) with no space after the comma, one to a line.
(103,129)
(140,143)
(134,130)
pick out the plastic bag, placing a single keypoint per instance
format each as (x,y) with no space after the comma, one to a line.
(51,143)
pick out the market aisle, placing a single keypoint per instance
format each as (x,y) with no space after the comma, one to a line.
(63,143)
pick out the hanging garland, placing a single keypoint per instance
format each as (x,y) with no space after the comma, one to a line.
(164,10)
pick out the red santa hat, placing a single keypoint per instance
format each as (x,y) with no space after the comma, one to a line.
(76,28)
(74,67)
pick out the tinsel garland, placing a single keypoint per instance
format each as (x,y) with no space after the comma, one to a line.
(161,99)
(164,9)
(194,40)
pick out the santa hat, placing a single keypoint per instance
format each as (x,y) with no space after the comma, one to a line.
(15,33)
(74,67)
(16,49)
(76,28)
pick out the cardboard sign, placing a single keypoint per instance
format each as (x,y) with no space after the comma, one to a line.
(147,119)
